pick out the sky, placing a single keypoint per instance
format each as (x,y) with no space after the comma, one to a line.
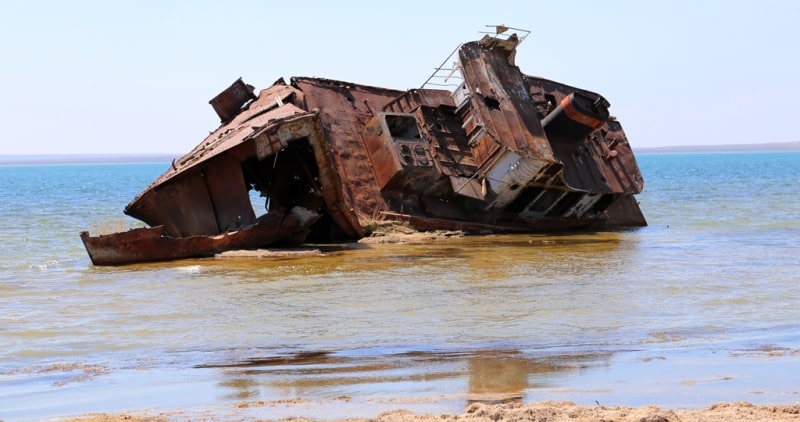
(135,77)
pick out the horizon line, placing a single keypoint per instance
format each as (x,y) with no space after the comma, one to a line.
(157,157)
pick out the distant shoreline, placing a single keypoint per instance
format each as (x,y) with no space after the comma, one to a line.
(166,158)
(86,158)
(773,146)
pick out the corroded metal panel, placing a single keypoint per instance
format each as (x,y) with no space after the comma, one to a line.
(442,127)
(501,102)
(412,99)
(401,159)
(183,207)
(228,194)
(344,110)
(382,152)
(230,101)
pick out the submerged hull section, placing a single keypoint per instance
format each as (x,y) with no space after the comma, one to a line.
(501,152)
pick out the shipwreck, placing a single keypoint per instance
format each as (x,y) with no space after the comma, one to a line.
(481,147)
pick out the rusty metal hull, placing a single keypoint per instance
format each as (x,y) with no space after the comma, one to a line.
(502,152)
(151,244)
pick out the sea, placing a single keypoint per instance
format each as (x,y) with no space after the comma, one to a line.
(699,307)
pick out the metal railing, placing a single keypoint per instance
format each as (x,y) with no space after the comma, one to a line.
(449,76)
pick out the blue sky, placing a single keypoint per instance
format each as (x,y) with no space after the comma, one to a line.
(112,77)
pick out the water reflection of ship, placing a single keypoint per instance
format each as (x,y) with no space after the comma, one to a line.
(500,379)
(507,376)
(493,376)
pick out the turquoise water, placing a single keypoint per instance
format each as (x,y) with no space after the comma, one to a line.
(701,306)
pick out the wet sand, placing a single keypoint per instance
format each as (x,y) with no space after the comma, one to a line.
(496,387)
(538,412)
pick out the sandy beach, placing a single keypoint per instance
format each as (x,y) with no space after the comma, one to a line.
(538,412)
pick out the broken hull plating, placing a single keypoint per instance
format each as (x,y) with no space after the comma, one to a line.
(503,152)
(151,244)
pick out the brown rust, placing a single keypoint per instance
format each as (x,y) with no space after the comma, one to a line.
(152,244)
(499,152)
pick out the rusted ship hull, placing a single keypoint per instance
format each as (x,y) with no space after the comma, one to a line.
(500,152)
(151,244)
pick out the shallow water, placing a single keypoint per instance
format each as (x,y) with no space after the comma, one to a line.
(699,307)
